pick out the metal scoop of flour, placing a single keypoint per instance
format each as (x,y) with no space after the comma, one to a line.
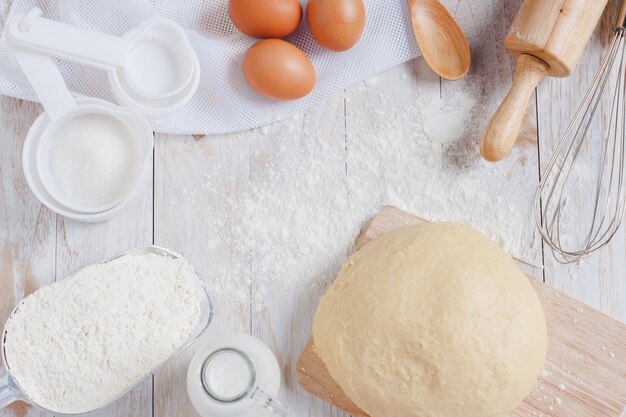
(10,390)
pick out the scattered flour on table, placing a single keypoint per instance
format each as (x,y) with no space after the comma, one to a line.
(76,344)
(293,220)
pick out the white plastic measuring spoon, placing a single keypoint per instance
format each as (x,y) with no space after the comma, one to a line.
(46,80)
(154,63)
(49,37)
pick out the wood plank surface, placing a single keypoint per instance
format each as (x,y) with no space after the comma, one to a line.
(585,371)
(279,316)
(31,236)
(27,229)
(182,166)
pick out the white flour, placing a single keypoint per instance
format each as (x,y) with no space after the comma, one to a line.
(292,221)
(76,344)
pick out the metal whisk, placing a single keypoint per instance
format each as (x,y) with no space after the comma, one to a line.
(600,215)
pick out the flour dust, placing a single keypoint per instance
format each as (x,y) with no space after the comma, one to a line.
(311,183)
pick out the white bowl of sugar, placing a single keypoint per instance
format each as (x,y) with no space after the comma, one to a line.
(93,159)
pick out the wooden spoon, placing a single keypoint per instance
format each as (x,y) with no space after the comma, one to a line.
(440,39)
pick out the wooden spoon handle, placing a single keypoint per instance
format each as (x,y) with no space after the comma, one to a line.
(501,131)
(621,16)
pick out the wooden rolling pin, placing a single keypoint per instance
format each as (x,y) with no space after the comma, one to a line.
(547,37)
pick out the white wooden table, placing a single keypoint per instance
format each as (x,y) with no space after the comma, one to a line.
(37,247)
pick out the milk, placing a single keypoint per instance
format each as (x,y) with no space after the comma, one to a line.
(234,375)
(228,375)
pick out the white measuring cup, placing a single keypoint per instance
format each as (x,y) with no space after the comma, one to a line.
(33,179)
(10,390)
(152,68)
(60,107)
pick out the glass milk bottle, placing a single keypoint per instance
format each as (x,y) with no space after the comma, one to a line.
(235,375)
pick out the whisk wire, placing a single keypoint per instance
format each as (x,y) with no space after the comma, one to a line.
(607,202)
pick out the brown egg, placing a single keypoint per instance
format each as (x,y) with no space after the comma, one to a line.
(265,18)
(278,70)
(336,24)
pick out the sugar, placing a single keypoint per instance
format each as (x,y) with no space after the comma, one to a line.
(92,158)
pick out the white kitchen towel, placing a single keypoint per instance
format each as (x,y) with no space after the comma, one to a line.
(224,102)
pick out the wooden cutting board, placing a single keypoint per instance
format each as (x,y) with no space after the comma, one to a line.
(585,372)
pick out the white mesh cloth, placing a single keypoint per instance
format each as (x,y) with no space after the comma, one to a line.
(224,102)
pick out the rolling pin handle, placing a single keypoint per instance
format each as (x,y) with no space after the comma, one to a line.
(503,127)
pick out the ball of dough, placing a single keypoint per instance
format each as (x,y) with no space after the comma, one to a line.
(432,320)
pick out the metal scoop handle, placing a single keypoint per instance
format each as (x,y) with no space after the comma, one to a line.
(33,32)
(7,394)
